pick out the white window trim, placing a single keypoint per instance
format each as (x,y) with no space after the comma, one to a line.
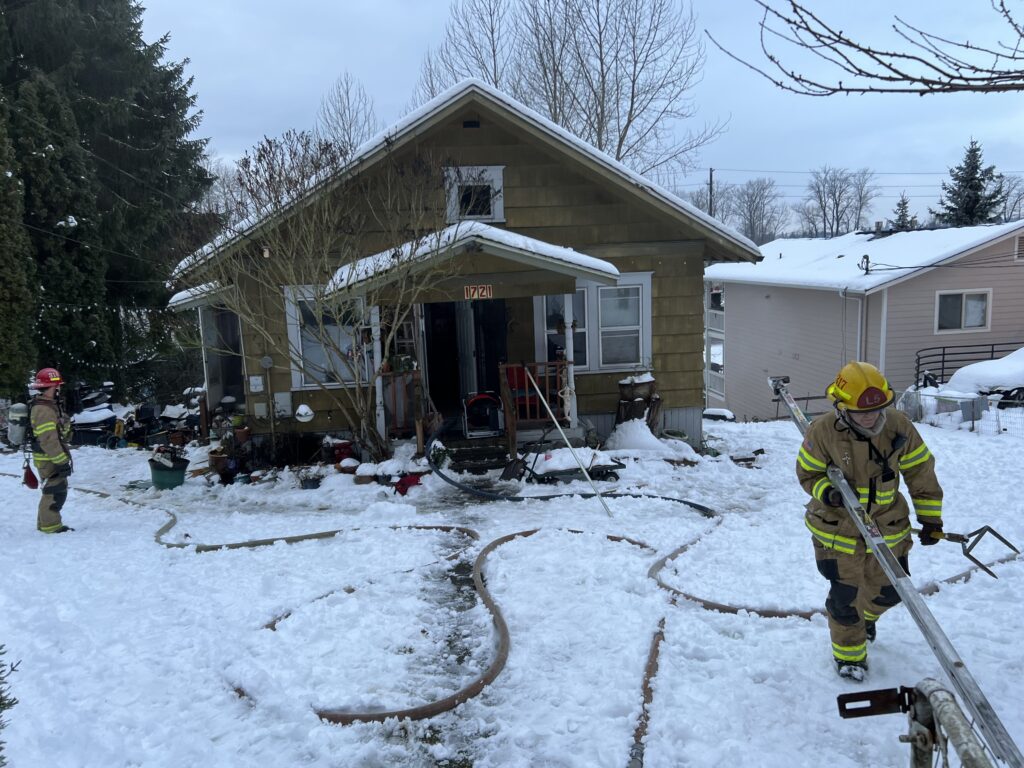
(491,174)
(638,328)
(585,329)
(643,279)
(964,292)
(293,294)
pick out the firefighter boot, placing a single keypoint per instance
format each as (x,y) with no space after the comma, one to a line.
(855,671)
(870,630)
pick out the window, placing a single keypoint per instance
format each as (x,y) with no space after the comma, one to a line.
(962,311)
(475,193)
(554,327)
(619,316)
(326,343)
(714,376)
(613,325)
(1018,250)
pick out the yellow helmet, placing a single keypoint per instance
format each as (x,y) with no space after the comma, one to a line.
(860,387)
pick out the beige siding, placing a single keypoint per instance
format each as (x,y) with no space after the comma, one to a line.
(772,331)
(911,316)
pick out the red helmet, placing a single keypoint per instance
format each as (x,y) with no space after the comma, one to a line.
(48,377)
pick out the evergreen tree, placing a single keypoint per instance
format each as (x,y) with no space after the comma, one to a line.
(61,218)
(974,195)
(6,700)
(126,118)
(17,312)
(902,219)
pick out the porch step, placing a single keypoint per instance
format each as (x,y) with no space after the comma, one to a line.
(477,456)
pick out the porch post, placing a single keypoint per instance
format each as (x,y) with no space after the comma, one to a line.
(377,361)
(570,356)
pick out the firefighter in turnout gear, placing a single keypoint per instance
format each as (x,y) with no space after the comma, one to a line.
(873,444)
(51,432)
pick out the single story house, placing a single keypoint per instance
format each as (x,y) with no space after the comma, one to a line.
(813,304)
(549,234)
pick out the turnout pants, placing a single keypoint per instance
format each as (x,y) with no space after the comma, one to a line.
(858,591)
(55,493)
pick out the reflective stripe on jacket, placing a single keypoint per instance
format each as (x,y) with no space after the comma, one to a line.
(48,433)
(873,476)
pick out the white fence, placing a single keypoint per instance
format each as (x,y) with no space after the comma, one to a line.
(977,413)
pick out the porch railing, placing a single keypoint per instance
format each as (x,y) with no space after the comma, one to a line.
(523,406)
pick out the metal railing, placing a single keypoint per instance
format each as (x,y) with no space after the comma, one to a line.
(939,363)
(977,413)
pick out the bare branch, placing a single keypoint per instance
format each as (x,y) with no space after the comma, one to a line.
(932,63)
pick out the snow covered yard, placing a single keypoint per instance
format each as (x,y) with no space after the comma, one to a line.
(134,654)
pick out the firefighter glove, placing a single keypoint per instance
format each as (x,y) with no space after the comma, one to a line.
(833,497)
(927,529)
(64,470)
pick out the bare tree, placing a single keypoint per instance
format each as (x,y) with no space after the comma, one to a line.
(808,219)
(838,199)
(759,211)
(928,63)
(479,42)
(1013,203)
(720,203)
(617,74)
(548,82)
(347,117)
(865,191)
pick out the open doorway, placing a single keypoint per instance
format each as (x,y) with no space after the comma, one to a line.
(465,343)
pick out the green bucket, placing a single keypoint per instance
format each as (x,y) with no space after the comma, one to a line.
(164,477)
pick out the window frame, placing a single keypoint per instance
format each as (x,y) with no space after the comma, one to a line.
(639,327)
(626,279)
(295,295)
(574,330)
(493,175)
(964,293)
(1018,249)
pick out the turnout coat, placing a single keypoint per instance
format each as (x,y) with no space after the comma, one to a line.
(872,467)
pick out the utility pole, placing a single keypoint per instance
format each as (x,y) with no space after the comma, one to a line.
(711,191)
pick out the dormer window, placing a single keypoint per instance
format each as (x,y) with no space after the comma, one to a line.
(475,193)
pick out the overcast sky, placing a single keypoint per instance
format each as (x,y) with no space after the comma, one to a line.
(261,67)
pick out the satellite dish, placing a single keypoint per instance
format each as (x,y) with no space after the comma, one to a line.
(304,413)
(266,362)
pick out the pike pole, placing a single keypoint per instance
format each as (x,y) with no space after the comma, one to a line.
(992,730)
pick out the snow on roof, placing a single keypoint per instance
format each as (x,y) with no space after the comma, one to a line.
(835,263)
(191,297)
(458,236)
(418,116)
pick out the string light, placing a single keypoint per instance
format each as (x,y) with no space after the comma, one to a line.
(141,319)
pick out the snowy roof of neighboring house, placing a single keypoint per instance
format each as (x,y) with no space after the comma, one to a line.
(460,237)
(836,263)
(415,121)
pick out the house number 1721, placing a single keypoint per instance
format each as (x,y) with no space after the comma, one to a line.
(471,292)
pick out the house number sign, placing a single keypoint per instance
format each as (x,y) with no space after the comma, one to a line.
(471,292)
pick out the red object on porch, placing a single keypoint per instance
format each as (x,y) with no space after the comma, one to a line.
(523,396)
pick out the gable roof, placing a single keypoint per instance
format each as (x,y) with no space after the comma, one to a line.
(838,263)
(724,242)
(469,236)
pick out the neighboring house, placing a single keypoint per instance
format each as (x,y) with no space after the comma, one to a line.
(554,234)
(813,304)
